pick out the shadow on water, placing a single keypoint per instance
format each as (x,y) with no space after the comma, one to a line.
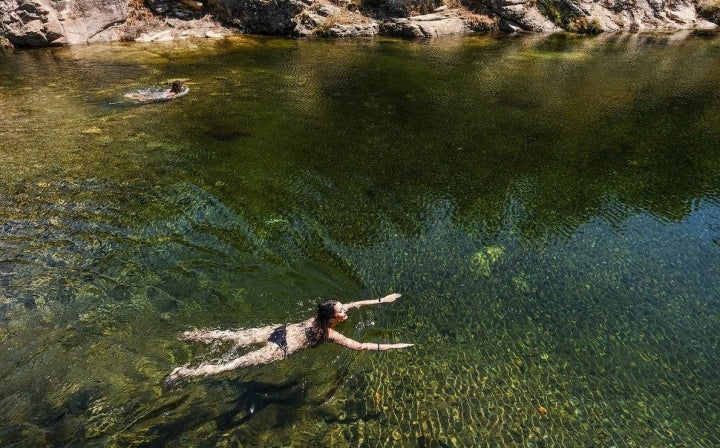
(572,163)
(227,134)
(255,404)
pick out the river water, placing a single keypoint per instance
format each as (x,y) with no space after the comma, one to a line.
(549,208)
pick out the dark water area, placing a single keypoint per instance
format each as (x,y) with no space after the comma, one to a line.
(549,208)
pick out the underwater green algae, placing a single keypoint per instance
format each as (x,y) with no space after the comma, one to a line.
(484,259)
(556,246)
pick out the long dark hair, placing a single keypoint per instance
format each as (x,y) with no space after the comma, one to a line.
(317,333)
(176,87)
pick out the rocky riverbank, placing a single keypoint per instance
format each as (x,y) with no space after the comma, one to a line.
(37,23)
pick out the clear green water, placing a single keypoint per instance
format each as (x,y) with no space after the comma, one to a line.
(549,207)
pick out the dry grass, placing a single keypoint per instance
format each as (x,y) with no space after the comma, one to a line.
(139,14)
(140,18)
(343,16)
(709,5)
(709,8)
(477,22)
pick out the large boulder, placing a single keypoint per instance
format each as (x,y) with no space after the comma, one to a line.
(56,22)
(522,15)
(264,16)
(599,15)
(183,9)
(436,24)
(31,23)
(334,20)
(88,21)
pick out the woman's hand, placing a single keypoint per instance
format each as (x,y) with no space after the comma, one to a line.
(387,299)
(402,345)
(390,298)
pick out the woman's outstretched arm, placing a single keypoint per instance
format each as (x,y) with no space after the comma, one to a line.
(345,341)
(387,299)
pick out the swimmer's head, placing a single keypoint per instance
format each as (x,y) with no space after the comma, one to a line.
(176,86)
(340,312)
(326,312)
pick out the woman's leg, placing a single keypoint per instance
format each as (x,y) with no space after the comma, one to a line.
(270,353)
(239,337)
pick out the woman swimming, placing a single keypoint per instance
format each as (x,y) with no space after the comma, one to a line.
(177,89)
(284,340)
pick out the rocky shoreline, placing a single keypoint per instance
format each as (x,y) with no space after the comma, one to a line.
(39,23)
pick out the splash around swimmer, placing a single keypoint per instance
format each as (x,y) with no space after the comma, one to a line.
(176,90)
(283,340)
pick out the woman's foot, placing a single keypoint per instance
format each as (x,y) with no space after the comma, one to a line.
(176,375)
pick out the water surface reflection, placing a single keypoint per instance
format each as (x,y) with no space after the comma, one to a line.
(548,206)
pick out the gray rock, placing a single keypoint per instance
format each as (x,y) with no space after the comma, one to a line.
(307,23)
(368,29)
(508,26)
(334,22)
(177,28)
(428,25)
(31,23)
(183,9)
(87,21)
(656,6)
(52,22)
(328,10)
(58,22)
(523,13)
(265,17)
(628,15)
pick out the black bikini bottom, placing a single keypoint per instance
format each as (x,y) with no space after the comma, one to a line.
(279,337)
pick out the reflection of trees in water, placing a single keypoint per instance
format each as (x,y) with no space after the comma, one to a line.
(394,170)
(563,125)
